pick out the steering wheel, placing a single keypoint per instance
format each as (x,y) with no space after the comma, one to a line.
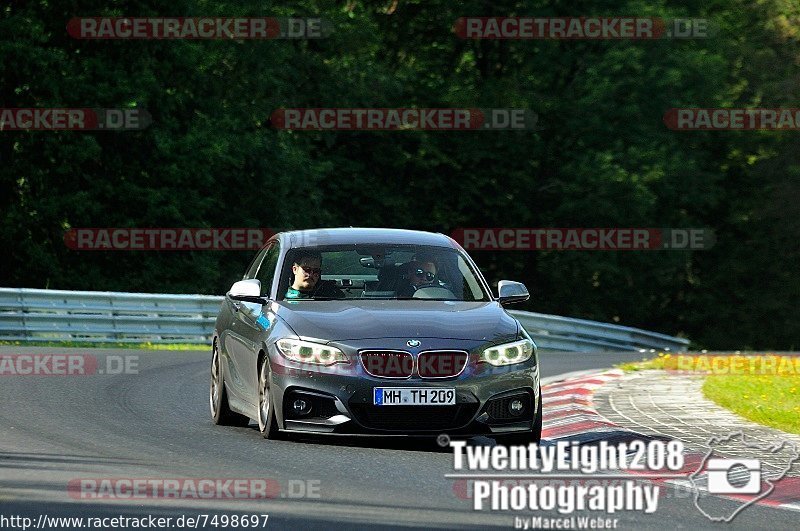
(433,292)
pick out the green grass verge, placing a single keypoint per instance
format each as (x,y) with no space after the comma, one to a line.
(645,364)
(91,344)
(771,400)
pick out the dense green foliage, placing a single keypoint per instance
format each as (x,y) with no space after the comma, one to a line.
(603,157)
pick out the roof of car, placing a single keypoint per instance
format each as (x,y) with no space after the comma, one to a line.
(363,236)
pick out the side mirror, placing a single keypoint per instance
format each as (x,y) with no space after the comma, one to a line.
(247,291)
(510,292)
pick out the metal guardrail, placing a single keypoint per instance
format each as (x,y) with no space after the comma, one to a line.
(553,332)
(104,316)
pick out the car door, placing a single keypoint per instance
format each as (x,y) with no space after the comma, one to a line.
(234,342)
(252,325)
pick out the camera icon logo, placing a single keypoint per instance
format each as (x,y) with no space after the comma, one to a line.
(744,479)
(734,476)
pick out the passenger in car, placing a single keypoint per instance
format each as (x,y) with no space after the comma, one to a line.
(419,272)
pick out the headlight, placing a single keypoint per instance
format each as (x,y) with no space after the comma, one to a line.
(308,352)
(508,353)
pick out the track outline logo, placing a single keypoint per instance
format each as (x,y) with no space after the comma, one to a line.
(771,481)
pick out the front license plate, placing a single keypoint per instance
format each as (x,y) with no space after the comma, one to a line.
(411,396)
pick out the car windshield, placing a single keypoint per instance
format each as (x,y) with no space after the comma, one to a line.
(381,272)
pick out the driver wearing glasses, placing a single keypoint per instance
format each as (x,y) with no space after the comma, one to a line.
(420,272)
(307,269)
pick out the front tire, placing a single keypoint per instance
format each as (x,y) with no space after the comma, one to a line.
(267,421)
(221,413)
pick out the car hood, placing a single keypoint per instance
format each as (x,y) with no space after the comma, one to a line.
(348,320)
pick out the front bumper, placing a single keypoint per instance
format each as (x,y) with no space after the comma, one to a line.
(341,397)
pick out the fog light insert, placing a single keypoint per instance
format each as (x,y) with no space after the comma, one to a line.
(515,407)
(301,407)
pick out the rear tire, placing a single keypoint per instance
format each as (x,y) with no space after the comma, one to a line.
(221,413)
(267,420)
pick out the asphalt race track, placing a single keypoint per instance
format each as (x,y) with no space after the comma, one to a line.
(155,423)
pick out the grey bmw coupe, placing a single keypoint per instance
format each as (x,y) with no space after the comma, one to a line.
(373,332)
